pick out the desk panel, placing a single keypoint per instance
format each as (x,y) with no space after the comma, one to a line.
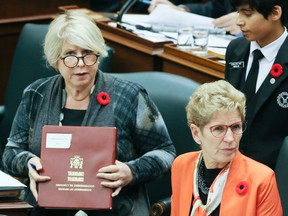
(132,53)
(14,208)
(186,71)
(130,60)
(17,8)
(200,69)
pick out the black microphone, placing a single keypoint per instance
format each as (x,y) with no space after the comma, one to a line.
(128,4)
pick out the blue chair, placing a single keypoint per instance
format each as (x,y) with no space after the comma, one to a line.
(29,65)
(171,94)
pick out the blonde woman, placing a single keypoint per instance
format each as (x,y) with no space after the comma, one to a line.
(219,180)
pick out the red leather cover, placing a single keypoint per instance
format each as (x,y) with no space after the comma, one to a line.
(73,169)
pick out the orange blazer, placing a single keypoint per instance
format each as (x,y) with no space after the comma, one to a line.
(261,198)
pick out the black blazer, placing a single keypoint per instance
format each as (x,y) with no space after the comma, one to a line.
(213,8)
(267,123)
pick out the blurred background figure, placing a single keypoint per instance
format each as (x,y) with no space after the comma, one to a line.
(221,10)
(114,6)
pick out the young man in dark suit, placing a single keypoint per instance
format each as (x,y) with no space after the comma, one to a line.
(262,24)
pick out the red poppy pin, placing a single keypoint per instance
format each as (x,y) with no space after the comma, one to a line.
(242,188)
(276,70)
(103,98)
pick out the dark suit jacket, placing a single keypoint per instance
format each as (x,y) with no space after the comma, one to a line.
(212,8)
(115,6)
(267,123)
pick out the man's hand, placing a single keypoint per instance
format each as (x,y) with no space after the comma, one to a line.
(228,22)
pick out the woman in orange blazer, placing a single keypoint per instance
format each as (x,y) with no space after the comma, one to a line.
(219,180)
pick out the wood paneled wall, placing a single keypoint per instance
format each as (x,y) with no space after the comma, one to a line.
(22,8)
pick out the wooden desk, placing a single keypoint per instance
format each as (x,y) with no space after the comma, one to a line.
(16,8)
(14,208)
(132,52)
(200,69)
(137,54)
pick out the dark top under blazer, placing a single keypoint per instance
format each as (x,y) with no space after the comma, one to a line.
(267,123)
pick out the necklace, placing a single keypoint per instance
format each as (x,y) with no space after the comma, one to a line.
(63,99)
(201,179)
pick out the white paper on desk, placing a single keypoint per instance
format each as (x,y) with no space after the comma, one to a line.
(219,41)
(220,51)
(135,18)
(148,35)
(165,15)
(154,37)
(216,41)
(8,182)
(58,140)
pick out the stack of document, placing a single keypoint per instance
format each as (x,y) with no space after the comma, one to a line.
(164,21)
(169,17)
(9,186)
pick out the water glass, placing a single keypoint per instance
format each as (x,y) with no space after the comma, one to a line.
(185,38)
(200,41)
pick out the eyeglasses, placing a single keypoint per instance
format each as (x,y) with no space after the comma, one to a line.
(220,131)
(72,61)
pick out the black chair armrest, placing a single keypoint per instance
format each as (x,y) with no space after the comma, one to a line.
(161,207)
(2,110)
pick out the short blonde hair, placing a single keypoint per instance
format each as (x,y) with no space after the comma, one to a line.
(76,28)
(212,97)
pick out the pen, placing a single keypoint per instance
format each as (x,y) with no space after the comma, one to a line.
(33,166)
(145,1)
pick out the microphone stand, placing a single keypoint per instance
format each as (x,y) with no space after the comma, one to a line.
(128,4)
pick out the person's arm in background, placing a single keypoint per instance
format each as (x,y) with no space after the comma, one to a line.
(154,3)
(228,22)
(221,10)
(213,8)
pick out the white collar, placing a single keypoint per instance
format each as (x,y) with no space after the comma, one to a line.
(270,50)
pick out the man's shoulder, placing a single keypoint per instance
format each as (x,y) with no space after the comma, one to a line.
(238,42)
(237,48)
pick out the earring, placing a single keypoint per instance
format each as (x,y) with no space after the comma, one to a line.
(199,142)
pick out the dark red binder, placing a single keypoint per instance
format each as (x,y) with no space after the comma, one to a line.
(72,156)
